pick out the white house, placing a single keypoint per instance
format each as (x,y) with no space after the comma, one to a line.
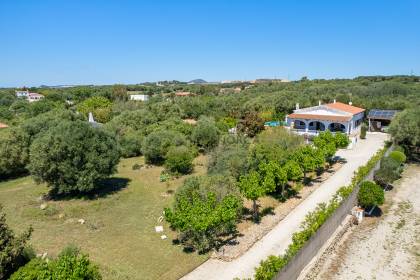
(30,96)
(335,117)
(139,97)
(22,93)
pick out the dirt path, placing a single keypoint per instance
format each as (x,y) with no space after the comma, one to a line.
(387,247)
(277,240)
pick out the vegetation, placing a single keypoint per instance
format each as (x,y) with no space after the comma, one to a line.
(390,169)
(370,194)
(71,264)
(157,144)
(179,160)
(12,247)
(72,157)
(363,130)
(205,209)
(205,134)
(44,140)
(405,129)
(398,156)
(122,216)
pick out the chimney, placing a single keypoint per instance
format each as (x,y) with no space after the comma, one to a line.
(334,100)
(350,103)
(319,103)
(297,106)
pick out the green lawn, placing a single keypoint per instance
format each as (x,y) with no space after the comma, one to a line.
(119,232)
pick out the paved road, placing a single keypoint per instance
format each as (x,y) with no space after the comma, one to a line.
(277,240)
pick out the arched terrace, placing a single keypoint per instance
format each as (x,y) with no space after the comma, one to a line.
(298,124)
(337,127)
(316,125)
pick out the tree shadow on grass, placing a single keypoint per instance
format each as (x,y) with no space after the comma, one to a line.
(228,239)
(103,188)
(108,186)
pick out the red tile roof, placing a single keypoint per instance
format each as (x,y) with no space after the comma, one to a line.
(345,107)
(319,117)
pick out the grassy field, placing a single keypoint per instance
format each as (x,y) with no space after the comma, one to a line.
(118,232)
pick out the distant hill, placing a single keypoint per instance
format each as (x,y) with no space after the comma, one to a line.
(197,81)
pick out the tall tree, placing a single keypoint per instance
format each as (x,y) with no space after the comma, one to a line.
(72,157)
(252,189)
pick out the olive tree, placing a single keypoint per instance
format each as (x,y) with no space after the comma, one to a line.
(205,134)
(72,157)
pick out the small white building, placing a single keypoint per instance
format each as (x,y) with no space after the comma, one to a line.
(336,117)
(139,97)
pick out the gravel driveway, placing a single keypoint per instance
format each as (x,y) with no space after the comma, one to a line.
(277,240)
(387,247)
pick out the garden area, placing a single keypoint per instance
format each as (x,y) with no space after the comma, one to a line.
(118,231)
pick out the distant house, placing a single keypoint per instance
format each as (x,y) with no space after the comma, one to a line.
(22,93)
(139,97)
(183,93)
(190,121)
(3,125)
(30,96)
(335,117)
(230,90)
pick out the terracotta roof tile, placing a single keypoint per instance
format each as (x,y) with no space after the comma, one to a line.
(319,117)
(345,107)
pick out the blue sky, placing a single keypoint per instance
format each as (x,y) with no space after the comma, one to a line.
(107,42)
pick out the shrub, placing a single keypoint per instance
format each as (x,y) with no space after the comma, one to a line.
(205,134)
(14,154)
(341,140)
(405,128)
(205,208)
(13,249)
(156,145)
(251,124)
(180,160)
(398,156)
(130,144)
(72,157)
(230,157)
(389,171)
(370,194)
(363,130)
(69,265)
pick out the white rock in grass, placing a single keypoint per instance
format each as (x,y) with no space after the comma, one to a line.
(81,221)
(158,228)
(43,206)
(163,237)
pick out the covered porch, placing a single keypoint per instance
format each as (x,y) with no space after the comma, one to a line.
(313,127)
